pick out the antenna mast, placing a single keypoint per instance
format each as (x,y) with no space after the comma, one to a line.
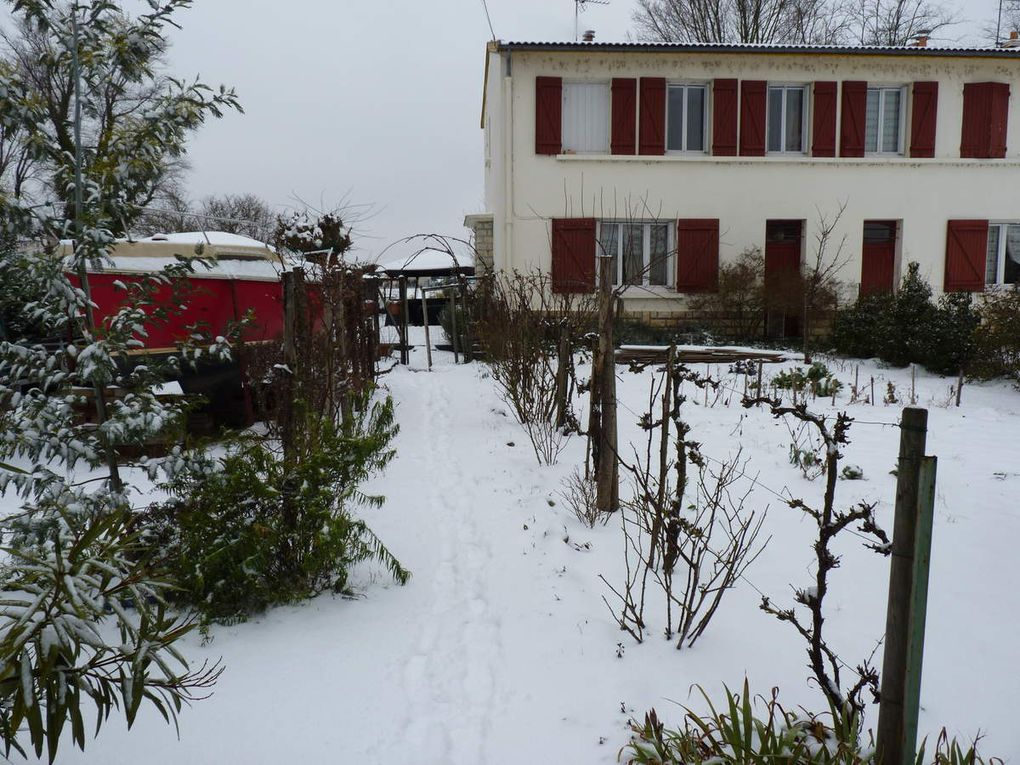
(580,5)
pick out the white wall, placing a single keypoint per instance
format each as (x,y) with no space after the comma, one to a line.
(744,192)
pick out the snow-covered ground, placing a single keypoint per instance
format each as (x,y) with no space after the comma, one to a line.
(500,650)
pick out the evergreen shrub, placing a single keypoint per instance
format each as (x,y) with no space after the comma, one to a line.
(260,531)
(909,327)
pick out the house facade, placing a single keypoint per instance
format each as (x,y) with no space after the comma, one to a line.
(674,159)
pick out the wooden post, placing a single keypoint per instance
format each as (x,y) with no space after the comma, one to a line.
(425,321)
(959,387)
(562,367)
(454,339)
(405,354)
(913,384)
(607,497)
(892,745)
(467,347)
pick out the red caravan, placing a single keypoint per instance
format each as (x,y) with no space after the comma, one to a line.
(244,274)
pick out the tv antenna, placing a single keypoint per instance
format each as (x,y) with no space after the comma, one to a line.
(580,5)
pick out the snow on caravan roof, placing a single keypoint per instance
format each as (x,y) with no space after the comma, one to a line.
(230,256)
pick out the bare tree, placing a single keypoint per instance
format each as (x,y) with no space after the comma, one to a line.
(897,22)
(245,214)
(739,21)
(820,287)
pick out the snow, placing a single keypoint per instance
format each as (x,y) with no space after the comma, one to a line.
(500,649)
(221,268)
(214,238)
(427,254)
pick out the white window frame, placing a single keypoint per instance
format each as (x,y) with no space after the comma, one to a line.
(805,111)
(1000,255)
(901,134)
(706,106)
(646,244)
(608,117)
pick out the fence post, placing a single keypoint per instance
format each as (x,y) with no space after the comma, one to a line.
(455,340)
(405,351)
(562,369)
(607,497)
(425,321)
(899,685)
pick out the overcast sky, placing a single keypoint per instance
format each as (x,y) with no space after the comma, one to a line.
(375,101)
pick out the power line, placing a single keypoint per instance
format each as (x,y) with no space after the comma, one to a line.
(488,18)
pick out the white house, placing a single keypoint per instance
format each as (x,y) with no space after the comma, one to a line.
(676,158)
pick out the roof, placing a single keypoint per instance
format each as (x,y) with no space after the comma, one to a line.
(825,50)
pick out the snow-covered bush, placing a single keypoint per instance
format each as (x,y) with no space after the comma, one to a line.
(83,619)
(260,531)
(735,733)
(738,733)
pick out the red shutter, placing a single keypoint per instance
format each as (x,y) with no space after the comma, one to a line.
(724,118)
(697,255)
(997,118)
(923,114)
(752,118)
(653,116)
(624,115)
(974,130)
(966,247)
(823,132)
(985,115)
(855,111)
(573,255)
(548,115)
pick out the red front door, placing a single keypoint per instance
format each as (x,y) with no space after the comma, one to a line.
(782,272)
(878,257)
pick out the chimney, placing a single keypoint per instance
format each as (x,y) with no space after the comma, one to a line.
(589,35)
(1013,41)
(921,39)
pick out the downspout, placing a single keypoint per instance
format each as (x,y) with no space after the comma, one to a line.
(508,164)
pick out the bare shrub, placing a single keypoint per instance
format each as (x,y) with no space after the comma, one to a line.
(692,539)
(579,494)
(740,299)
(529,336)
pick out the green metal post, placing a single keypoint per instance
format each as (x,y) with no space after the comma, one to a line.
(918,605)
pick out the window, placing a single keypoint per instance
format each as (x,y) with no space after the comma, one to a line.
(586,117)
(685,118)
(883,131)
(1002,262)
(787,119)
(641,252)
